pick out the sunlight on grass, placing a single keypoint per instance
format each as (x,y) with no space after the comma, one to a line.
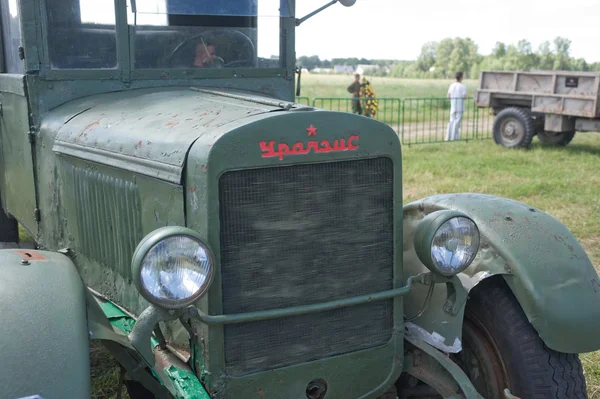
(335,86)
(560,181)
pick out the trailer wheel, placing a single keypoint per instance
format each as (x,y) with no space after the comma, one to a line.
(513,127)
(551,138)
(501,349)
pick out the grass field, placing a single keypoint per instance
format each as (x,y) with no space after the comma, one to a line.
(561,181)
(335,86)
(416,109)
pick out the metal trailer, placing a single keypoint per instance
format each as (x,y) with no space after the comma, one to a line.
(550,104)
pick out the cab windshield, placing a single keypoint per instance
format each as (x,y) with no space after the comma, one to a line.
(164,34)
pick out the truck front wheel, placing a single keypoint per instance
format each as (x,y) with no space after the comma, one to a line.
(501,349)
(513,127)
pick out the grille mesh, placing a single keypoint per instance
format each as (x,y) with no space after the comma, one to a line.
(299,235)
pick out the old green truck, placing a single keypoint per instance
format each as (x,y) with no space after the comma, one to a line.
(222,241)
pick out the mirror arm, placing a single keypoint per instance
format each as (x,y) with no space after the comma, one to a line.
(299,21)
(299,72)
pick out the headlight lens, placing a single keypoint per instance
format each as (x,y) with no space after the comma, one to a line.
(446,242)
(173,269)
(455,245)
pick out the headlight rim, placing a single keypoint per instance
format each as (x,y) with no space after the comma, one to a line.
(143,249)
(426,231)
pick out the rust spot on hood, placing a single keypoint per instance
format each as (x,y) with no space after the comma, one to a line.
(30,255)
(91,125)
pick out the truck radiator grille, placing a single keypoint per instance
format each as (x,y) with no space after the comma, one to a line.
(108,212)
(300,235)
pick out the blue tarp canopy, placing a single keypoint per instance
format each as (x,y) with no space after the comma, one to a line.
(246,8)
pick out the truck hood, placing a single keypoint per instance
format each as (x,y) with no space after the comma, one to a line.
(149,131)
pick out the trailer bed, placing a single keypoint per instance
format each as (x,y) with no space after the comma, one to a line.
(566,93)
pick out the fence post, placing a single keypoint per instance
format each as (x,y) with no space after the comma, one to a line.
(403,110)
(476,123)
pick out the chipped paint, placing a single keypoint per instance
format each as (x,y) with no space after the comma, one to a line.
(434,339)
(91,130)
(186,384)
(194,201)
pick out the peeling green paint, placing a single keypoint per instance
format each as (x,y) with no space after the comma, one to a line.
(186,384)
(121,320)
(111,310)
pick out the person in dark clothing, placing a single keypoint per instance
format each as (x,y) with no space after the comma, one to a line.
(354,88)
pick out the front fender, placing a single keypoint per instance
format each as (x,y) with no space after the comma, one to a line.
(44,340)
(541,261)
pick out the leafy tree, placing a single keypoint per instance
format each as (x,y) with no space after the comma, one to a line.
(499,50)
(427,57)
(442,59)
(442,55)
(562,47)
(546,57)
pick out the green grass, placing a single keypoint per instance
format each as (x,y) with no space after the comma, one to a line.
(400,100)
(24,236)
(105,373)
(560,181)
(335,86)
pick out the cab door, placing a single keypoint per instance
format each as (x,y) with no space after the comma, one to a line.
(17,186)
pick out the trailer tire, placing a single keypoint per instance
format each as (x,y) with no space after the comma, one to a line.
(557,139)
(501,349)
(514,127)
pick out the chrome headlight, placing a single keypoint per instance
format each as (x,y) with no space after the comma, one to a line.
(172,267)
(447,242)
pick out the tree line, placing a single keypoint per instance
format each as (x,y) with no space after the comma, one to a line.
(442,59)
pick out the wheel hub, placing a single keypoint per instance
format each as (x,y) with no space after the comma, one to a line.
(510,129)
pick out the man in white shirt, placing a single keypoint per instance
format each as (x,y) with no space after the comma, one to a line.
(456,93)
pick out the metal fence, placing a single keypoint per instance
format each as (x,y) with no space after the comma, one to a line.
(420,120)
(425,120)
(303,100)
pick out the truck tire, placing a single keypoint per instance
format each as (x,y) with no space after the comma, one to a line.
(513,127)
(501,349)
(557,139)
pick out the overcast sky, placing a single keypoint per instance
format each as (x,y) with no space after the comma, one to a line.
(396,29)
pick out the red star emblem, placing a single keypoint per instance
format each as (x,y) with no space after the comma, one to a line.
(312,131)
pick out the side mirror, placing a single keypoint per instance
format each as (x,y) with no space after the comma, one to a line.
(347,3)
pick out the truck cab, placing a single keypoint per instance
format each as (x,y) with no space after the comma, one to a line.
(223,241)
